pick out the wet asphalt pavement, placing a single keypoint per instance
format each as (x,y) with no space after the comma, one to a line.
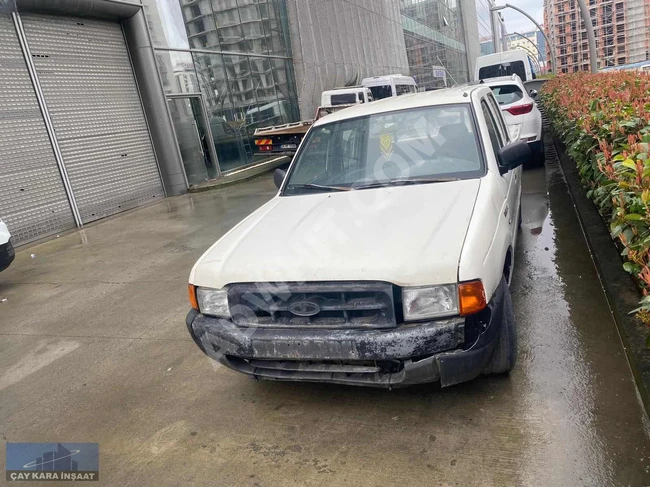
(94,348)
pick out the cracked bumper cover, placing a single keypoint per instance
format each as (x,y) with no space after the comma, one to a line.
(427,351)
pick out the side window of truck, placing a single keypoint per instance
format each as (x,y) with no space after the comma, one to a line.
(495,138)
(501,125)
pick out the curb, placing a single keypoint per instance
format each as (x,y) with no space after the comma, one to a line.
(621,292)
(241,175)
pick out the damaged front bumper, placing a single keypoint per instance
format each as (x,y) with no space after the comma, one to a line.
(450,350)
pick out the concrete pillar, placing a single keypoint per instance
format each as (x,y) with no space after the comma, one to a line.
(155,104)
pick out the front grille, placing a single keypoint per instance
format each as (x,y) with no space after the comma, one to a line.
(313,305)
(367,373)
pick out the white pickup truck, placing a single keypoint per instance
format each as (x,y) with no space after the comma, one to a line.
(385,258)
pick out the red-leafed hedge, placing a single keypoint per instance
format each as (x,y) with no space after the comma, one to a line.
(604,120)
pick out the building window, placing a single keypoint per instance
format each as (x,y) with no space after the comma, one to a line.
(620,61)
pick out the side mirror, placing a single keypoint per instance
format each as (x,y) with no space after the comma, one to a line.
(533,93)
(278,177)
(513,155)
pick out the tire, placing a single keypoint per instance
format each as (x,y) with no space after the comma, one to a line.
(505,354)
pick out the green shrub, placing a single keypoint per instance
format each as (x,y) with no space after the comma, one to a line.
(604,120)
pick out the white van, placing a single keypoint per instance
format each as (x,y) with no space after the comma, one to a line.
(390,85)
(505,64)
(353,95)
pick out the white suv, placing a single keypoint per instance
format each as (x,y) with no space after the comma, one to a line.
(521,113)
(386,256)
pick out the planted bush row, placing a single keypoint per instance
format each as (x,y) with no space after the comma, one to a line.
(604,121)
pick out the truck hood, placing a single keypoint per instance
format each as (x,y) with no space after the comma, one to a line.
(406,235)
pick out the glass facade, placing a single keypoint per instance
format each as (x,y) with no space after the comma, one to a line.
(228,66)
(234,54)
(433,32)
(483,15)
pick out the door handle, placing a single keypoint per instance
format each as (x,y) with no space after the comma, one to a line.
(505,211)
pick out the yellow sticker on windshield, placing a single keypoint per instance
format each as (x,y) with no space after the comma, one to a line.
(386,144)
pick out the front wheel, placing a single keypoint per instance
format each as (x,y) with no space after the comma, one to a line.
(505,354)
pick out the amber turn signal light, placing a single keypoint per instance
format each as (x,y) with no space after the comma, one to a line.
(471,297)
(191,292)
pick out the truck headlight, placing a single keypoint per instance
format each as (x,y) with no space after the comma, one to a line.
(213,302)
(420,303)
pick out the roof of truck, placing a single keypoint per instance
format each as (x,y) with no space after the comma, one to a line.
(415,100)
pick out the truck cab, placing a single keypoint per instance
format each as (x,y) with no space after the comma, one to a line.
(386,256)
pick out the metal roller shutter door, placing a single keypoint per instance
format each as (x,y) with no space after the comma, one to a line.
(33,201)
(84,70)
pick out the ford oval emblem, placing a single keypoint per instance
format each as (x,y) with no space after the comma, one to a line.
(304,308)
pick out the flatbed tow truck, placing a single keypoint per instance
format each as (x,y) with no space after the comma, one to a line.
(284,140)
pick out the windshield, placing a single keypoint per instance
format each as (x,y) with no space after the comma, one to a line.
(507,94)
(419,145)
(503,69)
(344,99)
(380,92)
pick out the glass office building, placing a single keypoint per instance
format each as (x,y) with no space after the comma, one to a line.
(226,68)
(434,36)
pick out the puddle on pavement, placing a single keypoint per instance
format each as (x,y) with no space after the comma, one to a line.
(576,381)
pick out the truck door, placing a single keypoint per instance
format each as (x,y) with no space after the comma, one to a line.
(511,179)
(508,211)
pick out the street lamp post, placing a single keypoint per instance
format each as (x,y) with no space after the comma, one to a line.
(586,19)
(550,44)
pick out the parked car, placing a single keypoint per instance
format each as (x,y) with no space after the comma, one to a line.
(521,113)
(384,260)
(7,253)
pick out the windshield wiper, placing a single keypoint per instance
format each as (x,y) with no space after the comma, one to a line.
(319,187)
(404,181)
